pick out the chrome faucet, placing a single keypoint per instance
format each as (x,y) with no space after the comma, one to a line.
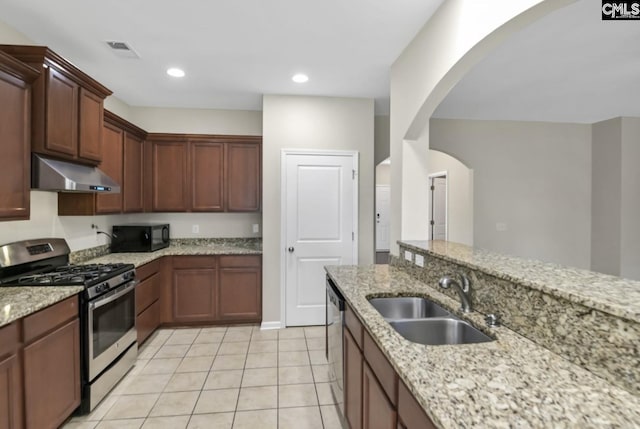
(462,286)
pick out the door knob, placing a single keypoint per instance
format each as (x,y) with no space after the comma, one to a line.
(291,249)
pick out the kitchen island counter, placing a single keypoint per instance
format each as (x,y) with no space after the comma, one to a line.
(510,382)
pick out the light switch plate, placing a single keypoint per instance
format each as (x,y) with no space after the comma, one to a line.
(501,226)
(408,255)
(256,228)
(195,229)
(419,260)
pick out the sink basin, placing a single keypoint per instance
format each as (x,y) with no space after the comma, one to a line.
(408,308)
(439,331)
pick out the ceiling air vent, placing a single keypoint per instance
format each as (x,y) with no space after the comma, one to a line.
(123,50)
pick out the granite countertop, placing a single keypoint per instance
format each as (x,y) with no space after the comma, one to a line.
(141,258)
(507,383)
(17,302)
(614,295)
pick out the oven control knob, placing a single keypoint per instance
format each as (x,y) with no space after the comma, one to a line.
(103,287)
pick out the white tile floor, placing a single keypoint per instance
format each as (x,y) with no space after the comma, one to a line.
(222,378)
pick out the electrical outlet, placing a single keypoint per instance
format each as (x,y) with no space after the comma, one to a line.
(408,255)
(256,228)
(419,260)
(195,229)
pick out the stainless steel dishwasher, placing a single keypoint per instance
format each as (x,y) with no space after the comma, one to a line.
(334,350)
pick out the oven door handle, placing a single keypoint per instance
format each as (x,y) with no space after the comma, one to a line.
(126,289)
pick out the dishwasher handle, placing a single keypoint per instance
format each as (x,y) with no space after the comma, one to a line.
(335,297)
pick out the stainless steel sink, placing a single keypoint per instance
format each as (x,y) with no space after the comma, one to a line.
(439,331)
(408,308)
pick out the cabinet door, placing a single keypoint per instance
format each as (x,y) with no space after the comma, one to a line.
(10,393)
(90,126)
(352,382)
(61,114)
(133,170)
(52,377)
(410,413)
(240,294)
(243,177)
(194,294)
(207,172)
(377,411)
(14,137)
(112,167)
(169,181)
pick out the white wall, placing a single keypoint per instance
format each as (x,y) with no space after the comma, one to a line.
(456,37)
(534,177)
(630,204)
(297,122)
(383,174)
(381,137)
(459,195)
(606,196)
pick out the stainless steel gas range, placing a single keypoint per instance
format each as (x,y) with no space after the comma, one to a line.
(107,311)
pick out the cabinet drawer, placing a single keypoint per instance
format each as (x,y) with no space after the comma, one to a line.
(381,368)
(9,339)
(147,292)
(147,270)
(50,318)
(147,322)
(410,412)
(353,323)
(239,261)
(194,262)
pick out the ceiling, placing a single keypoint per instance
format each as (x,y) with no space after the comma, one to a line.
(567,67)
(232,51)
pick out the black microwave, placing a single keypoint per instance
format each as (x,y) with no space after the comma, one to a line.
(140,237)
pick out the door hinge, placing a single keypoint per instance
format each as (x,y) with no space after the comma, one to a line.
(353,236)
(353,174)
(432,223)
(433,188)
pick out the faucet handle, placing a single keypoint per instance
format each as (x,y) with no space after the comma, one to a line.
(492,320)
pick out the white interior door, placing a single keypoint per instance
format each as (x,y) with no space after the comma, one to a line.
(320,209)
(383,206)
(439,208)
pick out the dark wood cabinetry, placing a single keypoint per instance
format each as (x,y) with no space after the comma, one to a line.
(373,395)
(11,395)
(66,106)
(147,299)
(122,154)
(194,288)
(205,173)
(240,289)
(15,114)
(52,364)
(243,166)
(377,411)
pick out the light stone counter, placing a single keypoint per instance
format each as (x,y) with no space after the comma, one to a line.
(507,383)
(17,302)
(614,295)
(180,249)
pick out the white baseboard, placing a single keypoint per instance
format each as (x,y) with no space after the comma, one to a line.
(271,325)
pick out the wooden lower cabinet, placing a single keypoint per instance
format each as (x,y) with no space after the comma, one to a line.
(352,382)
(147,299)
(240,289)
(410,413)
(147,322)
(52,377)
(194,288)
(377,411)
(11,396)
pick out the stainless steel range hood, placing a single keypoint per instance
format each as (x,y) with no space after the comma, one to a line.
(54,175)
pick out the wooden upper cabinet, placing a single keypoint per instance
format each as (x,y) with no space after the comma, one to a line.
(66,106)
(207,176)
(61,134)
(112,166)
(224,173)
(15,114)
(90,126)
(133,170)
(243,177)
(169,177)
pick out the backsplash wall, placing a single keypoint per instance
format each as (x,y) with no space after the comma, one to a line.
(45,222)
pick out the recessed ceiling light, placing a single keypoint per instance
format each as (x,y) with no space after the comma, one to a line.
(175,72)
(300,78)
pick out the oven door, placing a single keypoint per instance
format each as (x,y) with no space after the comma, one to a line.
(111,327)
